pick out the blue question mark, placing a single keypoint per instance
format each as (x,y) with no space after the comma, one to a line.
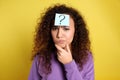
(61,18)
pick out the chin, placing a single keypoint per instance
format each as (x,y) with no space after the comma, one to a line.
(62,45)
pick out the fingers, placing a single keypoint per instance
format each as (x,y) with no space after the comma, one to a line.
(64,55)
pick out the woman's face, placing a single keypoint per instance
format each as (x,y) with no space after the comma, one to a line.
(63,35)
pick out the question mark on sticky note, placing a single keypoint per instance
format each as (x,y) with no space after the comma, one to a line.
(62,17)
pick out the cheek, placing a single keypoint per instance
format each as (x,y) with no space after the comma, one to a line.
(70,37)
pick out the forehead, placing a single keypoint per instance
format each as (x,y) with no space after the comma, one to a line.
(71,23)
(62,19)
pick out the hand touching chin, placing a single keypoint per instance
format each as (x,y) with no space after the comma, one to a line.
(61,45)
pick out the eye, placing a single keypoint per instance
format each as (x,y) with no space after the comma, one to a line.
(66,28)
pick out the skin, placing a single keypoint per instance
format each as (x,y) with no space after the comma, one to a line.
(62,37)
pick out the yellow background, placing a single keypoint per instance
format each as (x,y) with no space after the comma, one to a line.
(18,19)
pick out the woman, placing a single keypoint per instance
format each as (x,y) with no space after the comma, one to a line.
(62,52)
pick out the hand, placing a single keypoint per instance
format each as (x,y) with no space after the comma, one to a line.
(64,55)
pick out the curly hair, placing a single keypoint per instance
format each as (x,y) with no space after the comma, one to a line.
(44,45)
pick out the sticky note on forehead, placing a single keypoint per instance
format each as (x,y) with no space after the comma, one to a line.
(62,20)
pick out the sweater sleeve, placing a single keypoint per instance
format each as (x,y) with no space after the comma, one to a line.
(73,73)
(34,75)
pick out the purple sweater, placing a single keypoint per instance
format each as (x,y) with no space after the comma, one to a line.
(68,71)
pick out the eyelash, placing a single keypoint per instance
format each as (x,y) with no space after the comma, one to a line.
(64,28)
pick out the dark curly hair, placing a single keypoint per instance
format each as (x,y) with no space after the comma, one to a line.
(44,45)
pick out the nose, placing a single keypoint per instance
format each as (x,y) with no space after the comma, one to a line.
(59,32)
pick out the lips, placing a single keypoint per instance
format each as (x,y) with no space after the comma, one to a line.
(60,41)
